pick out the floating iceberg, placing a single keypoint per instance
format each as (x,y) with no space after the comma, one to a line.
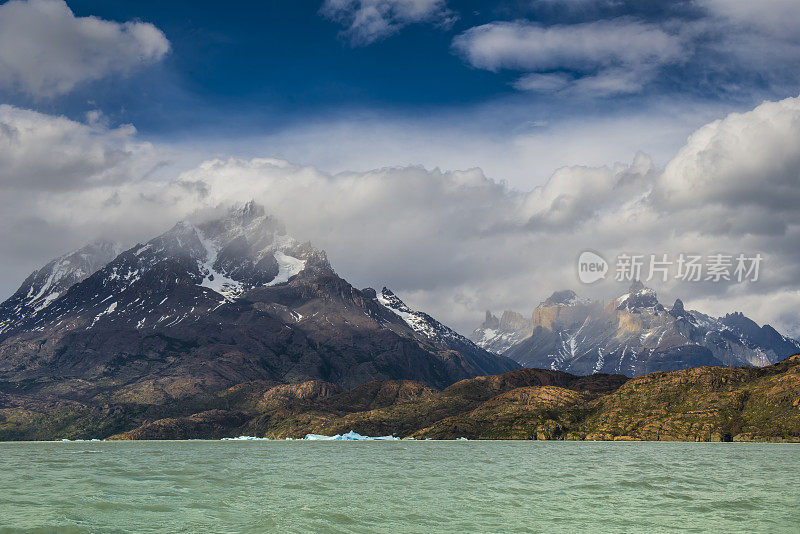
(350,436)
(245,438)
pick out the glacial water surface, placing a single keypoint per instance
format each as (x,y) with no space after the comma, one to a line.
(465,486)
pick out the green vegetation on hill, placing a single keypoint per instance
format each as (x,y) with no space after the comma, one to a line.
(700,404)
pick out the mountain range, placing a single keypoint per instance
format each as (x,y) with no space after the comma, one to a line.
(633,334)
(208,305)
(227,324)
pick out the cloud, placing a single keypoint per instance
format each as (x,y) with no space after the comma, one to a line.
(368,21)
(40,152)
(749,162)
(456,242)
(778,17)
(575,195)
(55,176)
(607,57)
(545,83)
(524,45)
(748,44)
(451,242)
(730,48)
(45,50)
(523,151)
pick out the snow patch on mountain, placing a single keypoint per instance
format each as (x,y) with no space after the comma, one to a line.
(424,324)
(108,311)
(288,266)
(213,279)
(419,322)
(236,246)
(566,297)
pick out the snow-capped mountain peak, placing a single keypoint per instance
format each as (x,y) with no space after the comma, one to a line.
(638,297)
(431,331)
(243,249)
(177,276)
(420,322)
(248,248)
(499,334)
(45,285)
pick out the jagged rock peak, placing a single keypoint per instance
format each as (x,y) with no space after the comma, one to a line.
(560,297)
(677,309)
(249,211)
(85,260)
(740,321)
(249,222)
(511,320)
(508,320)
(636,287)
(639,297)
(565,297)
(390,300)
(369,293)
(491,321)
(419,321)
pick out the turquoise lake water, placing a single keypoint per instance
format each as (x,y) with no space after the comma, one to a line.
(467,486)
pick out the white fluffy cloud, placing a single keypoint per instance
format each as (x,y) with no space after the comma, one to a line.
(49,153)
(452,242)
(45,50)
(609,57)
(367,21)
(746,161)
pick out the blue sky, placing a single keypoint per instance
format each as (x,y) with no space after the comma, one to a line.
(250,68)
(262,65)
(462,153)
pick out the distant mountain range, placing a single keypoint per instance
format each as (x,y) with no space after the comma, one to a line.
(633,334)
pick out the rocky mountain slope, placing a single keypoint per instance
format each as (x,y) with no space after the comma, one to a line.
(209,305)
(45,285)
(633,334)
(699,404)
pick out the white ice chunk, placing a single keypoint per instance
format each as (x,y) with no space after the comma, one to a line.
(350,436)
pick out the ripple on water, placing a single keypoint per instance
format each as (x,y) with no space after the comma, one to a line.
(386,487)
